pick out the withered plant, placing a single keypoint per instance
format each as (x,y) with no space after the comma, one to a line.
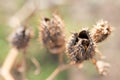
(19,40)
(53,38)
(82,45)
(52,34)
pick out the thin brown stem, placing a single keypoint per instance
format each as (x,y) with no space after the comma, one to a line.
(94,61)
(37,65)
(60,56)
(100,54)
(58,70)
(24,65)
(101,66)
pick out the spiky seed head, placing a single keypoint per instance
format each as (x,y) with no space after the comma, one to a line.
(21,37)
(80,47)
(101,31)
(52,34)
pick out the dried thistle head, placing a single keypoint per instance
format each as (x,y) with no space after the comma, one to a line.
(80,47)
(101,31)
(21,37)
(52,34)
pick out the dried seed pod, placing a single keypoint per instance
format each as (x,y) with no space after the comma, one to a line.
(20,37)
(102,67)
(52,34)
(101,31)
(80,47)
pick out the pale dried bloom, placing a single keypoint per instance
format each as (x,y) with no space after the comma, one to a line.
(80,47)
(102,67)
(52,34)
(21,37)
(101,31)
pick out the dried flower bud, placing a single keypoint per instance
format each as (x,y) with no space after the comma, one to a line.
(52,34)
(102,67)
(101,31)
(20,37)
(80,47)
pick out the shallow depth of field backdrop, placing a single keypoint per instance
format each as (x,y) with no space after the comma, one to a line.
(75,14)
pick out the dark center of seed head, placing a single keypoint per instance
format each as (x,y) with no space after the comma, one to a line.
(46,19)
(83,34)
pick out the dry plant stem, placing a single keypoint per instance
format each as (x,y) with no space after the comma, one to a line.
(7,76)
(37,65)
(8,64)
(24,65)
(100,54)
(60,55)
(94,61)
(23,14)
(58,70)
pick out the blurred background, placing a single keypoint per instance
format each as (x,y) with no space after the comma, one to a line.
(75,14)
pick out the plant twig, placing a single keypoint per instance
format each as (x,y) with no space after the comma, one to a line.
(60,58)
(8,64)
(23,15)
(58,70)
(37,65)
(24,65)
(62,67)
(100,54)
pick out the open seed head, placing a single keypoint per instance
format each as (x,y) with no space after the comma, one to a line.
(80,47)
(52,34)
